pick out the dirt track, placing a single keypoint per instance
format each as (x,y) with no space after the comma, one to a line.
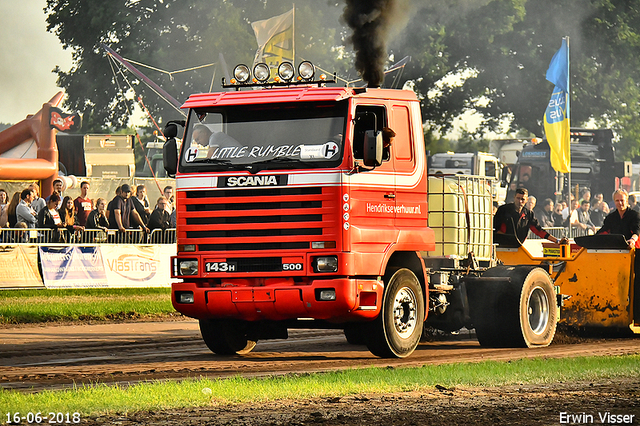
(48,357)
(33,358)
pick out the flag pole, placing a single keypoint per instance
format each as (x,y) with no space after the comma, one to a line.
(293,36)
(568,100)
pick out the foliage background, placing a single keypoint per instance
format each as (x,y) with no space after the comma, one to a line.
(487,56)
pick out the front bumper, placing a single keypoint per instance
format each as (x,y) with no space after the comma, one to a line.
(283,299)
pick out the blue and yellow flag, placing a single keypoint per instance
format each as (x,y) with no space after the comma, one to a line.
(556,117)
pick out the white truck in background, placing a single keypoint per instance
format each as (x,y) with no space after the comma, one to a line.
(471,163)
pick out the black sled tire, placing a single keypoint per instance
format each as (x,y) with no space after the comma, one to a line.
(519,313)
(226,337)
(397,330)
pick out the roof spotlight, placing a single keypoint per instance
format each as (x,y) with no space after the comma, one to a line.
(306,70)
(261,72)
(241,73)
(285,71)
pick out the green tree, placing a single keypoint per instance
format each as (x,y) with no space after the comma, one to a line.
(169,35)
(489,56)
(502,49)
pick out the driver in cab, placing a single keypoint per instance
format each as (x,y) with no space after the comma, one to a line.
(203,136)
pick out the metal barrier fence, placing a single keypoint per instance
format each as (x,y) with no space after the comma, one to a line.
(560,232)
(88,236)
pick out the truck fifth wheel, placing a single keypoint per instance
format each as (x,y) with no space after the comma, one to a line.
(294,213)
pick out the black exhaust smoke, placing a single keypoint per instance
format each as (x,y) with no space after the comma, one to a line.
(370,21)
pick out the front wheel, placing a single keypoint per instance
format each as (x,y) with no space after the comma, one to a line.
(397,330)
(226,337)
(519,313)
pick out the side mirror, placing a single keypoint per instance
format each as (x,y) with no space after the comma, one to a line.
(170,156)
(372,148)
(170,147)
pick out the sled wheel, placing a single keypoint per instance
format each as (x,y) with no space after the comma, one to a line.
(519,313)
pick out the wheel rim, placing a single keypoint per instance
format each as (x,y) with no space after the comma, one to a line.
(405,312)
(538,310)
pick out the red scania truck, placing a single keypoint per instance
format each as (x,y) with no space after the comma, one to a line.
(292,213)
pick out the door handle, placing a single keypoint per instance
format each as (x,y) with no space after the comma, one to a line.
(389,195)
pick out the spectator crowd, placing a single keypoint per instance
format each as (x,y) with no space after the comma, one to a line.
(126,211)
(584,215)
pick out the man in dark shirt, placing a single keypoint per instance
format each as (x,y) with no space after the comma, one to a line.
(515,219)
(623,220)
(121,209)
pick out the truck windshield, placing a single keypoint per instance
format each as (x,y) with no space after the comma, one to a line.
(258,137)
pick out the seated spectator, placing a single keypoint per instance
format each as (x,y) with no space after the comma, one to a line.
(97,218)
(49,218)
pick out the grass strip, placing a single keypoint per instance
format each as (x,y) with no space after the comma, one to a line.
(35,306)
(104,399)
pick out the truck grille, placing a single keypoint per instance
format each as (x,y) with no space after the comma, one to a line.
(258,219)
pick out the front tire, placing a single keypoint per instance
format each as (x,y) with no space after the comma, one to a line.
(519,313)
(397,330)
(226,337)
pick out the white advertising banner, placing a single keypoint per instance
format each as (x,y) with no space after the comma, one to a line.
(138,266)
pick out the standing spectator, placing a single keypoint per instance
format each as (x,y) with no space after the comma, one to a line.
(599,210)
(531,203)
(633,203)
(581,219)
(172,219)
(68,216)
(49,218)
(558,219)
(83,204)
(97,219)
(57,188)
(24,212)
(110,205)
(160,218)
(586,195)
(4,198)
(168,194)
(38,203)
(122,209)
(11,210)
(141,203)
(544,214)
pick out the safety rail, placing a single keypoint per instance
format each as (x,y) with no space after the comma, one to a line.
(560,232)
(40,236)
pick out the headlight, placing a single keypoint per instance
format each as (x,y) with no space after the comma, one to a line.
(326,294)
(184,297)
(306,70)
(261,72)
(241,73)
(326,264)
(285,71)
(188,267)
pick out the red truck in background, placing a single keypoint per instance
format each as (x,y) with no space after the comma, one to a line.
(291,213)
